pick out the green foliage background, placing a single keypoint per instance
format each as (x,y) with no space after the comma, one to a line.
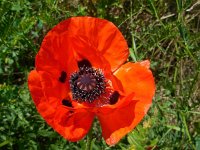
(167,32)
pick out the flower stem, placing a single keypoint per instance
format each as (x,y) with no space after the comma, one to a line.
(89,140)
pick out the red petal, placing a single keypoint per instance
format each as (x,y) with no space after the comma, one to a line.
(62,51)
(35,87)
(56,54)
(117,122)
(73,126)
(101,34)
(137,78)
(139,88)
(83,49)
(53,89)
(43,107)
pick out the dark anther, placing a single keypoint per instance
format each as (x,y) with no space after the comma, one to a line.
(66,103)
(114,98)
(63,77)
(84,63)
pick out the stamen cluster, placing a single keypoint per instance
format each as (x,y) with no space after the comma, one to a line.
(87,84)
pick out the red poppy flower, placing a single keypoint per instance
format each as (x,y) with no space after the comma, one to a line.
(80,74)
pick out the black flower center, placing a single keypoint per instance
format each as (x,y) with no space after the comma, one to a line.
(88,83)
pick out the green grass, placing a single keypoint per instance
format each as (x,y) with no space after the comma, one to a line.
(165,32)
